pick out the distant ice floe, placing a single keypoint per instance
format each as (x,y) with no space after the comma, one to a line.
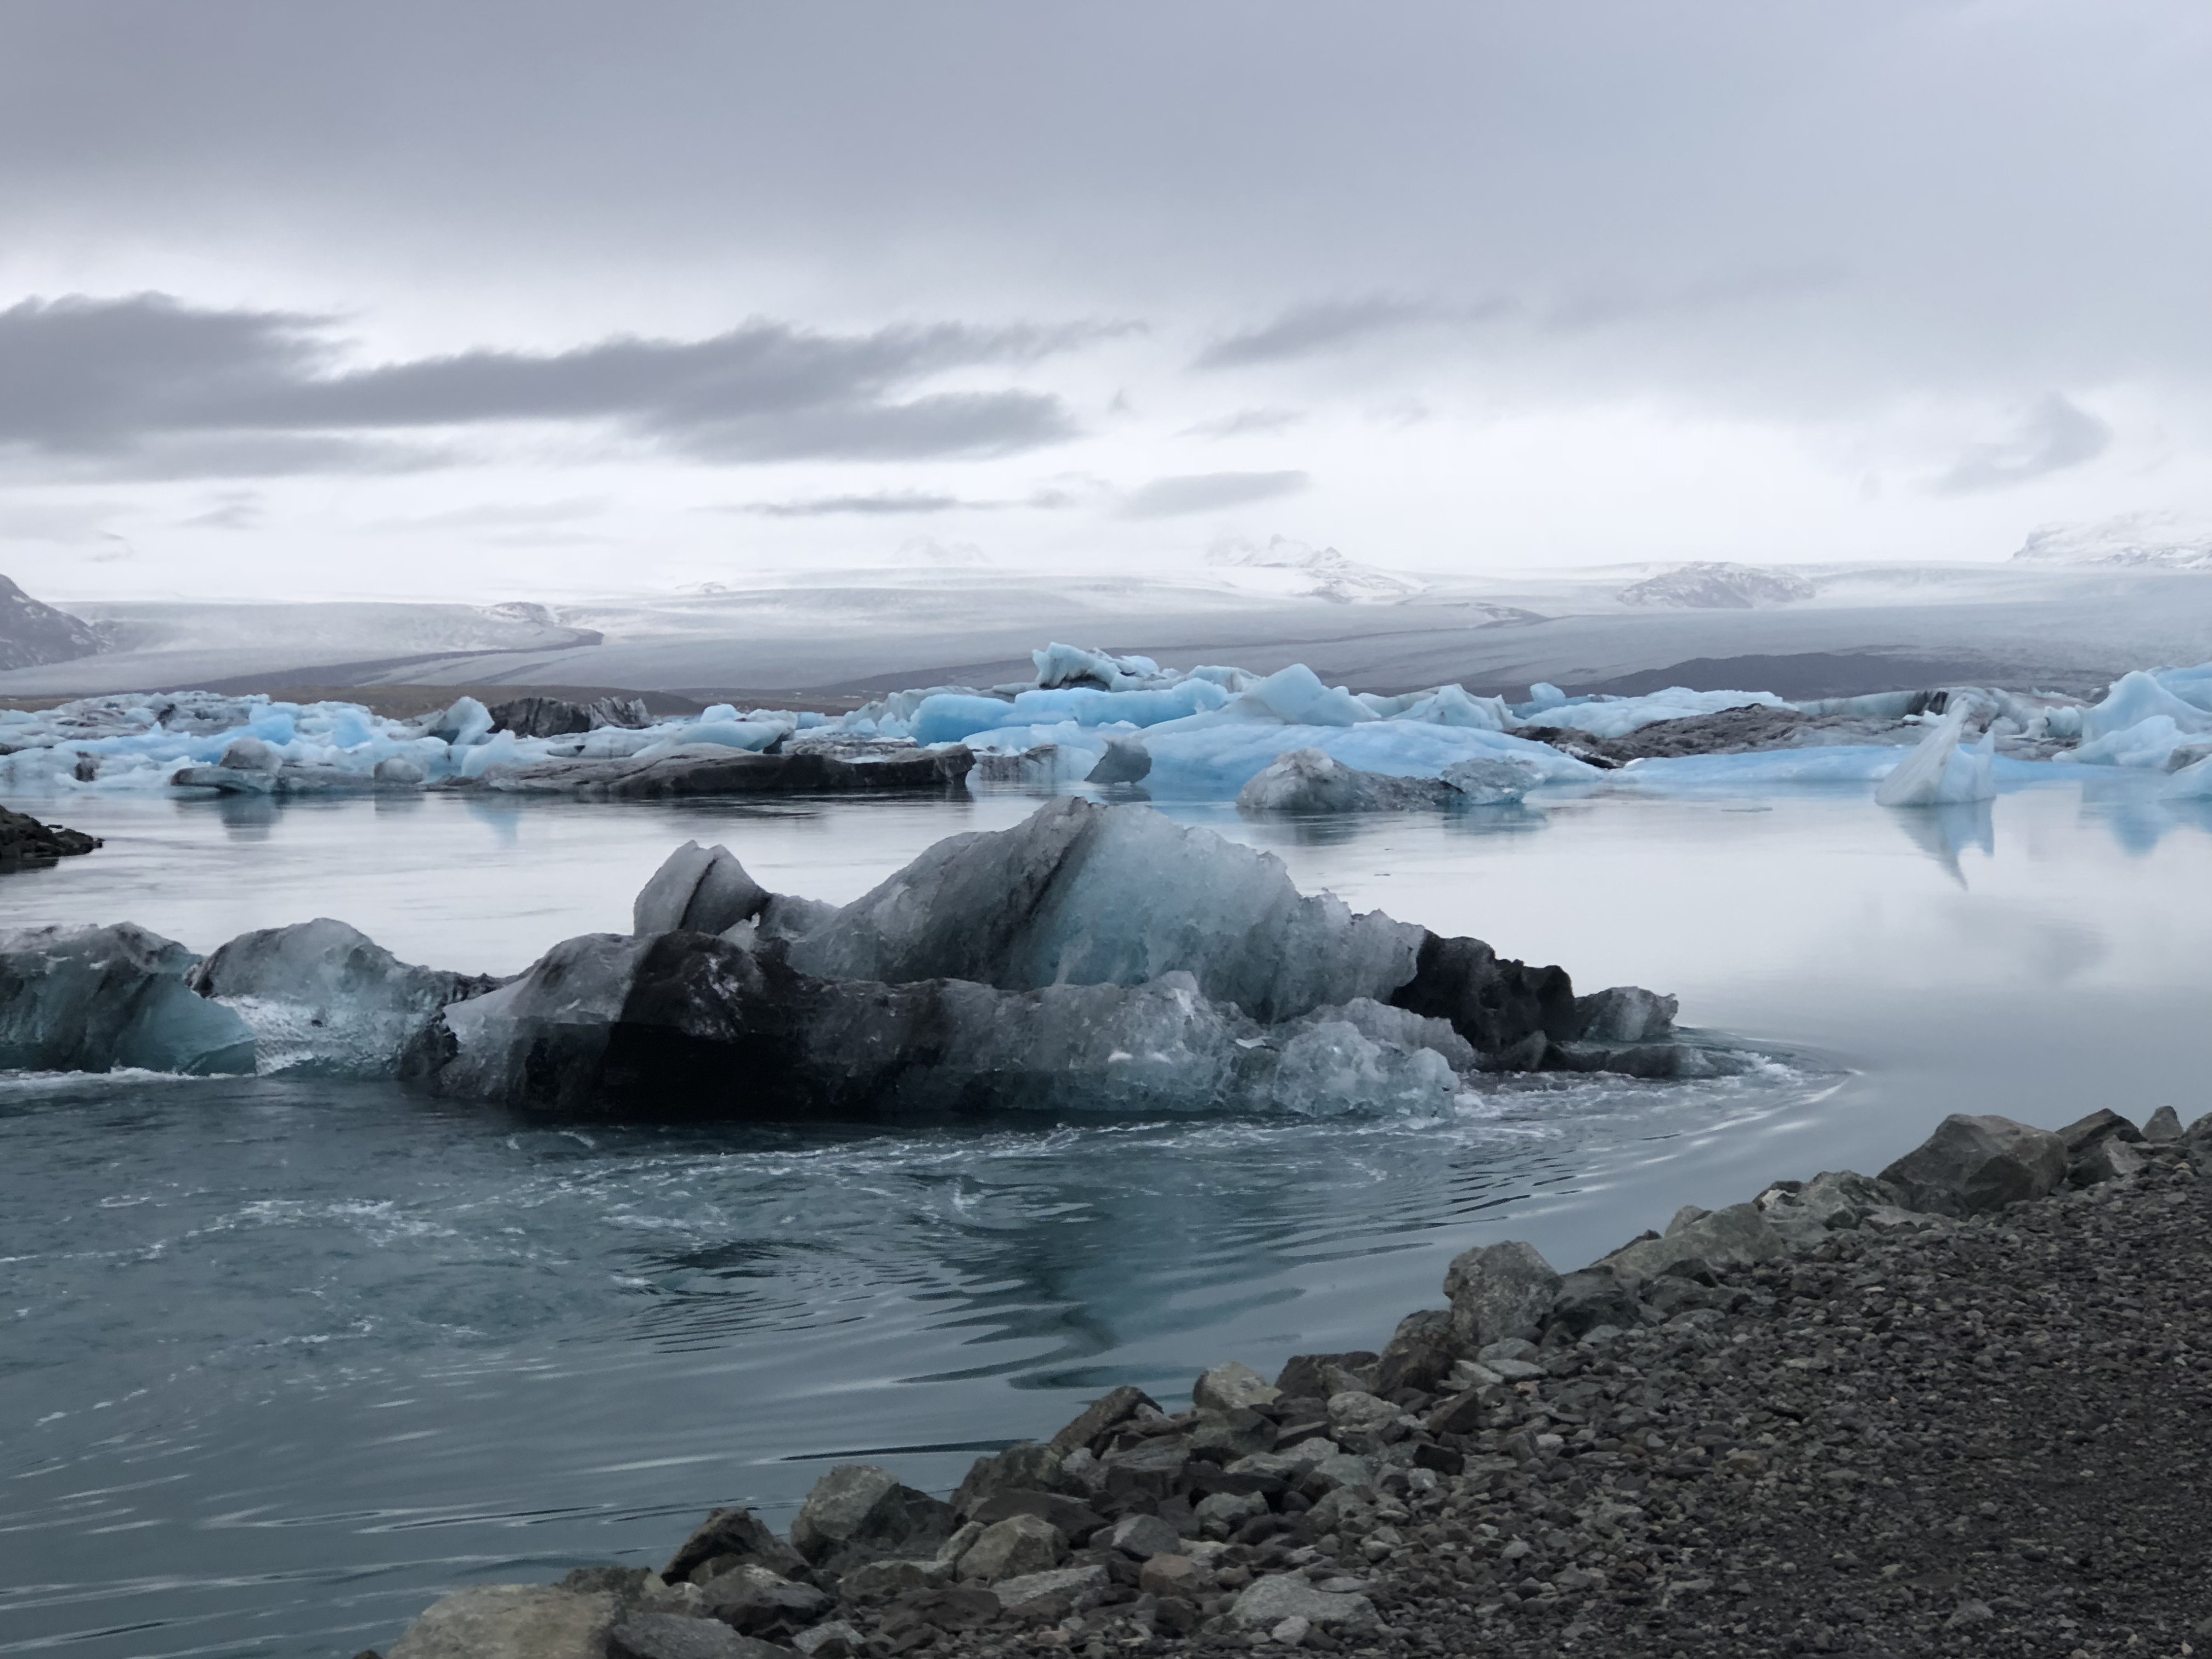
(1121,720)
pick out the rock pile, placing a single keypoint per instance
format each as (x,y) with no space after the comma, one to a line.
(1958,1409)
(26,843)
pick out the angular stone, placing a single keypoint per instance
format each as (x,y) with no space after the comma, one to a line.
(678,1636)
(1362,1413)
(1075,1520)
(1976,1163)
(1337,1471)
(1102,1413)
(834,1640)
(880,1581)
(1723,1240)
(1843,1198)
(1232,1386)
(1499,1291)
(1026,1466)
(733,1532)
(1080,1587)
(1229,1510)
(1266,1602)
(1014,1547)
(2109,1159)
(1169,1574)
(2083,1131)
(1141,1537)
(753,1599)
(1421,1352)
(1303,1375)
(2163,1126)
(1591,1296)
(858,1513)
(511,1621)
(1463,1413)
(1223,1437)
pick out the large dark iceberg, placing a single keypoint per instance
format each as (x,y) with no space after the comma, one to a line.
(1091,958)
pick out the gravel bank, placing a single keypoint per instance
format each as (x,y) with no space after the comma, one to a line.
(1822,1423)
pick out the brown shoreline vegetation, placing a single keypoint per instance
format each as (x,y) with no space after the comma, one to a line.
(1961,1408)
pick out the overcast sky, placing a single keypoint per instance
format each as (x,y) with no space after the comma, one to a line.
(504,299)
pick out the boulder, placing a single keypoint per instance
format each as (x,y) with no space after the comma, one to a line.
(858,1513)
(2163,1126)
(1976,1163)
(2084,1132)
(1077,1520)
(732,1535)
(513,1621)
(678,1636)
(26,843)
(1230,1386)
(1026,1466)
(1014,1547)
(1592,1296)
(2109,1159)
(1720,1242)
(1141,1537)
(1266,1602)
(1108,1410)
(1421,1352)
(1499,1291)
(1081,1588)
(1223,1437)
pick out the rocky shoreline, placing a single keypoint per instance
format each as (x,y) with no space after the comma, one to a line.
(27,844)
(1958,1409)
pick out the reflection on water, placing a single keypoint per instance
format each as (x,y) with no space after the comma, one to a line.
(284,1358)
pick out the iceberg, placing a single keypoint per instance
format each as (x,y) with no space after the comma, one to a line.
(104,999)
(322,998)
(698,890)
(1313,780)
(1939,772)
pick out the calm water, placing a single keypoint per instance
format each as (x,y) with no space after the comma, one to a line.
(283,1359)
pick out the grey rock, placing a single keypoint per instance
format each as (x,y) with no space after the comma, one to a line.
(1500,1290)
(1354,1413)
(701,890)
(511,1621)
(1070,1515)
(2163,1128)
(676,1636)
(1266,1602)
(1976,1163)
(1843,1198)
(836,1640)
(1082,1587)
(732,1533)
(1337,1471)
(2109,1159)
(1722,1240)
(1591,1296)
(1223,1437)
(859,1513)
(1232,1386)
(2084,1132)
(1107,1412)
(1421,1352)
(1013,1548)
(881,1580)
(1144,1536)
(1026,1466)
(1221,1513)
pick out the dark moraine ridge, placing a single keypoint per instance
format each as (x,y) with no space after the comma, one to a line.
(1963,1408)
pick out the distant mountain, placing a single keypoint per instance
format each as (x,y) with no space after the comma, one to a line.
(1323,572)
(2152,541)
(32,634)
(1719,586)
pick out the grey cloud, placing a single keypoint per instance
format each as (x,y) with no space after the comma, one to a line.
(1306,329)
(147,376)
(1204,492)
(893,502)
(2056,433)
(1245,422)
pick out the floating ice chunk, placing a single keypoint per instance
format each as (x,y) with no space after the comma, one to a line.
(1068,664)
(1625,1013)
(324,998)
(1200,759)
(1312,780)
(2191,782)
(1938,773)
(465,722)
(704,889)
(2150,744)
(1616,717)
(1296,696)
(94,999)
(2139,696)
(1493,782)
(1083,894)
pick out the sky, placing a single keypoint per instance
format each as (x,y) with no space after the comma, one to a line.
(510,300)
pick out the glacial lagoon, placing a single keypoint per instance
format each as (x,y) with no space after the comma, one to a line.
(286,1358)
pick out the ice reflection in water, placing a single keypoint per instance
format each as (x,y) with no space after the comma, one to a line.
(284,1358)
